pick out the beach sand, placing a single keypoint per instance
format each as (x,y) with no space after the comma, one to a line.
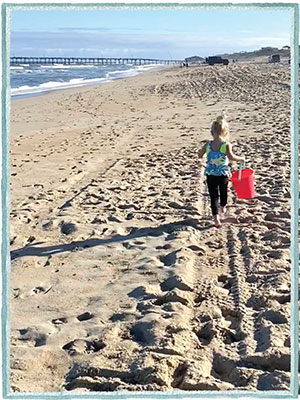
(119,280)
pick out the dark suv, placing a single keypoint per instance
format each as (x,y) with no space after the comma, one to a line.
(274,58)
(216,60)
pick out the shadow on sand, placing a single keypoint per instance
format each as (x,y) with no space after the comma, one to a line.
(32,250)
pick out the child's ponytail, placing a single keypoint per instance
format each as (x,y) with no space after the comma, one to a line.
(220,126)
(222,118)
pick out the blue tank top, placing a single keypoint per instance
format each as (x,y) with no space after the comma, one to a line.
(217,161)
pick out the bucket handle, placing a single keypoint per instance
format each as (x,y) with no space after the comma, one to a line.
(241,165)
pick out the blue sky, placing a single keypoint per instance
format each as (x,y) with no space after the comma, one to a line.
(161,33)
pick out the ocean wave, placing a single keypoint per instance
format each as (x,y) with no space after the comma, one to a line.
(53,85)
(133,71)
(121,74)
(151,66)
(27,90)
(64,66)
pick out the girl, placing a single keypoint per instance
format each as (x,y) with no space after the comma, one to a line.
(218,152)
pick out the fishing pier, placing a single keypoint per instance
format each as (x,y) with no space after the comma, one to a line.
(88,61)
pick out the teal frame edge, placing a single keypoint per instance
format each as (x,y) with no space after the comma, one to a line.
(5,261)
(5,202)
(152,5)
(295,205)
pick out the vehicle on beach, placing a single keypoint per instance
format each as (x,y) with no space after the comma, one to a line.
(274,58)
(216,60)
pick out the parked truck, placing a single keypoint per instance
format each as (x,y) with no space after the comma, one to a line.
(216,60)
(274,58)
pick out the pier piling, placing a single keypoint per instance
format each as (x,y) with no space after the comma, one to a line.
(88,61)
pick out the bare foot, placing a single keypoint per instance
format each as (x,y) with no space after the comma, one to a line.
(223,212)
(217,221)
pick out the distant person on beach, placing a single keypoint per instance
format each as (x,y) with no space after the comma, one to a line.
(219,152)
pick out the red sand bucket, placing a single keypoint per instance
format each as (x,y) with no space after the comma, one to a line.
(244,187)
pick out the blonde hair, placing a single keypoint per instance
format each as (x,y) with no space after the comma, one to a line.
(220,126)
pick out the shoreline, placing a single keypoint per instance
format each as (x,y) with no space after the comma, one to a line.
(61,95)
(108,80)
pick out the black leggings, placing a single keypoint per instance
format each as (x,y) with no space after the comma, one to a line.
(216,184)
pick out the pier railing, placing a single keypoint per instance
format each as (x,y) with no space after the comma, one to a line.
(88,61)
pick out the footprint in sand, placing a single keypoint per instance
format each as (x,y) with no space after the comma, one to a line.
(276,317)
(37,290)
(34,335)
(169,259)
(79,346)
(59,321)
(85,316)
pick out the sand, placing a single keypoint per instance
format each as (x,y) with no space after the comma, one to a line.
(119,279)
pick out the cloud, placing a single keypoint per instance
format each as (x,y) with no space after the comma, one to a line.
(85,30)
(111,44)
(246,31)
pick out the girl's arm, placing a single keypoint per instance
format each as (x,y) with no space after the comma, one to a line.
(230,154)
(202,151)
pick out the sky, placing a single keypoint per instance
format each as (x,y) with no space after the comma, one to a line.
(173,33)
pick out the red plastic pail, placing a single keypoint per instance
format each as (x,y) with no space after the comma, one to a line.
(245,187)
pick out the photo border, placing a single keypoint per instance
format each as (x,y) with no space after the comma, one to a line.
(294,182)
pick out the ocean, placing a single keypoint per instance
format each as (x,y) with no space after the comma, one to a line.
(31,80)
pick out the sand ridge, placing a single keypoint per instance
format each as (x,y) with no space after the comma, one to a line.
(119,279)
